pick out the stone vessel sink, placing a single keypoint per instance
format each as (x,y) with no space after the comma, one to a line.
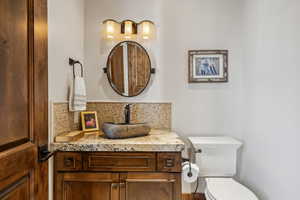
(123,130)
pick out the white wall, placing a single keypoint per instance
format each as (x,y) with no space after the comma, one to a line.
(271,85)
(202,109)
(182,26)
(198,109)
(259,104)
(66,39)
(95,54)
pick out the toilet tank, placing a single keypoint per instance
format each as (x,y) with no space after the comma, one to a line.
(218,157)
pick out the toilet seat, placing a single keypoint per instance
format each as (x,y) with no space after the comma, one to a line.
(227,189)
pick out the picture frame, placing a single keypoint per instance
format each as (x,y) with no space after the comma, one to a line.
(208,66)
(89,121)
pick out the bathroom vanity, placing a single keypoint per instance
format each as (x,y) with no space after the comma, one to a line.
(147,168)
(140,168)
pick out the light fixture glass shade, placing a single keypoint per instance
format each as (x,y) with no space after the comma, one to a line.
(147,30)
(111,29)
(128,30)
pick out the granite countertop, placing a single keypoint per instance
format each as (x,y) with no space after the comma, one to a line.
(156,141)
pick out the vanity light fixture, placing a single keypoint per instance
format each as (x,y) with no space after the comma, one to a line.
(129,29)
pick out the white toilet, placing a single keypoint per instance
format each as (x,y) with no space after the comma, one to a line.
(217,161)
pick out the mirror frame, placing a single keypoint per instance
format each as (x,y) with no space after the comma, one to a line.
(106,70)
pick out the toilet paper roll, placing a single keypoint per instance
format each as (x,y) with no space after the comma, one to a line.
(190,172)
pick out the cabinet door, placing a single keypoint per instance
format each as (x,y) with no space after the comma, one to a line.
(150,186)
(87,186)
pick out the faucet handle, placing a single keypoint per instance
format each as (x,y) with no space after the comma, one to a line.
(127,106)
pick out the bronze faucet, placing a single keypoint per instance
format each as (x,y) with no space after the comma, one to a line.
(127,113)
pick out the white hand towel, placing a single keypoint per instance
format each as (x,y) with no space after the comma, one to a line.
(77,97)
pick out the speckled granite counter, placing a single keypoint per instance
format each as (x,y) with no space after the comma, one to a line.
(156,141)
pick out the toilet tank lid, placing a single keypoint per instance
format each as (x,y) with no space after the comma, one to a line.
(204,141)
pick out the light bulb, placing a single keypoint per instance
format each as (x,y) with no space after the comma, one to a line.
(110,29)
(146,30)
(128,27)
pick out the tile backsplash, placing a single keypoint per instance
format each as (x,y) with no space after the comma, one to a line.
(157,115)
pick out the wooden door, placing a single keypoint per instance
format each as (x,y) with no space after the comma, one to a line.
(87,186)
(23,99)
(150,186)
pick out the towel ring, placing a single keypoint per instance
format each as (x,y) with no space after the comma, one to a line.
(73,62)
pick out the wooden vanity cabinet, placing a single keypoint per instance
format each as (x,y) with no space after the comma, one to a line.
(87,186)
(117,176)
(150,186)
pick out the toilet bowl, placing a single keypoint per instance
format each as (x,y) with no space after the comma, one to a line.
(227,189)
(216,158)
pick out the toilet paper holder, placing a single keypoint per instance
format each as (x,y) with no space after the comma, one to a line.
(190,174)
(192,153)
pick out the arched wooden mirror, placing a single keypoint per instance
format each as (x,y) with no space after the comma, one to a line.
(128,68)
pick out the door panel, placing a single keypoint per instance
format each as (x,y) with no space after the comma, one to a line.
(150,186)
(14,71)
(19,190)
(145,190)
(23,98)
(87,190)
(19,159)
(91,186)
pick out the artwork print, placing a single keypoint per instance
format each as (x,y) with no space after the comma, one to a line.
(208,66)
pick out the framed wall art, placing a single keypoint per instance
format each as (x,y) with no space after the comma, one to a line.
(207,66)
